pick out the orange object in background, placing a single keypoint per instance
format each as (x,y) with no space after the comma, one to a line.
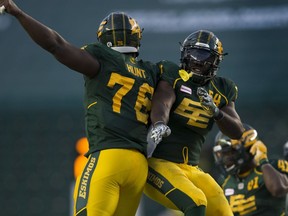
(82,147)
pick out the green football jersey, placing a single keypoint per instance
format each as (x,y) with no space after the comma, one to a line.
(249,196)
(118,100)
(188,121)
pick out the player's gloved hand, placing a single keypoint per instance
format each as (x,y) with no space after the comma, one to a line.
(259,150)
(207,102)
(155,134)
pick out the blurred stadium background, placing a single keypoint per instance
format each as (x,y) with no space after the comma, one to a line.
(41,116)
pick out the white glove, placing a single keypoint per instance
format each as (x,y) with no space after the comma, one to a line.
(207,102)
(155,134)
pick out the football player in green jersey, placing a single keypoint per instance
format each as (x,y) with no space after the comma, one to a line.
(118,93)
(187,102)
(254,185)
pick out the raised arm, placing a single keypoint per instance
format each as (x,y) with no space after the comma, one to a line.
(275,181)
(69,55)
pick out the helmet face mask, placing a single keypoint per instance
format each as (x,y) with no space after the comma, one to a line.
(230,157)
(233,155)
(120,32)
(201,53)
(201,62)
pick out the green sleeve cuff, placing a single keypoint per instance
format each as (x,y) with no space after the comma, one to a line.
(263,161)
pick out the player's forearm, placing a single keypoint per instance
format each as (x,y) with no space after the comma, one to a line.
(45,37)
(230,126)
(162,102)
(160,112)
(275,182)
(161,106)
(40,34)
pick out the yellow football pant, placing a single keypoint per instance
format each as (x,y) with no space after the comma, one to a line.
(182,187)
(111,183)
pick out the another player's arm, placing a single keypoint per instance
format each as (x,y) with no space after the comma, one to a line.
(162,101)
(230,123)
(69,55)
(275,181)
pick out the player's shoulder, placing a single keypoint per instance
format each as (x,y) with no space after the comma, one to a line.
(167,65)
(275,160)
(92,46)
(280,164)
(226,181)
(168,68)
(225,87)
(223,81)
(100,50)
(146,63)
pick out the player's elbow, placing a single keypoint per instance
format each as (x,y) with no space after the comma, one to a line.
(55,45)
(237,134)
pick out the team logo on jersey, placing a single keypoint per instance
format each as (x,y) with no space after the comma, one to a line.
(186,89)
(229,191)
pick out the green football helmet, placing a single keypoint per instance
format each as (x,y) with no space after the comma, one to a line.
(233,156)
(201,54)
(120,32)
